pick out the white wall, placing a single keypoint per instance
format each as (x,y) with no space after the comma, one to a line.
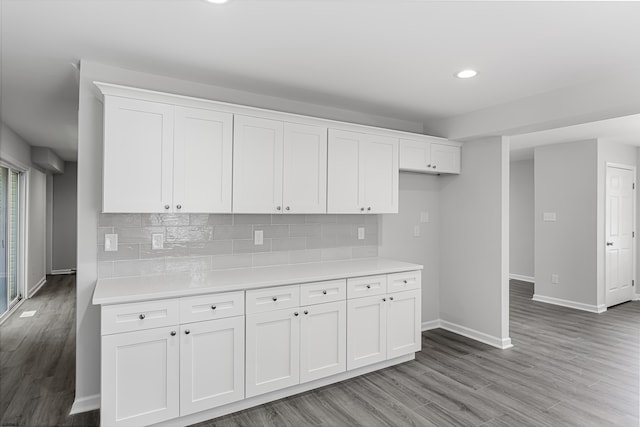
(65,218)
(474,244)
(521,230)
(637,225)
(608,152)
(418,193)
(13,148)
(565,183)
(90,190)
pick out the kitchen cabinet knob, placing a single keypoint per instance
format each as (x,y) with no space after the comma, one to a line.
(434,166)
(179,206)
(404,281)
(368,286)
(384,299)
(187,331)
(213,307)
(429,165)
(173,333)
(391,298)
(278,208)
(361,209)
(142,316)
(167,206)
(287,208)
(609,243)
(369,208)
(324,292)
(275,298)
(306,312)
(296,313)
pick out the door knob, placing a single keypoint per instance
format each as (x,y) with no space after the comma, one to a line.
(609,243)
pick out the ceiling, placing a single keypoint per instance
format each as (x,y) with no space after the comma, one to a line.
(392,58)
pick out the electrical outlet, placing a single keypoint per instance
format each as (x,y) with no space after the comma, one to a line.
(360,233)
(424,216)
(549,216)
(258,237)
(110,242)
(157,241)
(416,231)
(555,279)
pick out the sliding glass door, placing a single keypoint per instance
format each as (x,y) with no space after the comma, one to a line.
(9,237)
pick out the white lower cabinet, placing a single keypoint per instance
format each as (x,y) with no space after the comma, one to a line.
(404,319)
(140,377)
(211,364)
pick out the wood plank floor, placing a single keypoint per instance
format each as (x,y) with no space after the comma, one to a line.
(567,368)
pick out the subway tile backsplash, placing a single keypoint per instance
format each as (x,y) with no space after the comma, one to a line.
(199,242)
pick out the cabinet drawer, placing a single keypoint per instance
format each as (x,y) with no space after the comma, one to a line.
(366,286)
(319,292)
(211,306)
(398,282)
(276,298)
(138,316)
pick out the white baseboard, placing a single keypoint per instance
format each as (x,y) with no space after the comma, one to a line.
(522,278)
(571,304)
(432,324)
(37,287)
(502,343)
(84,404)
(636,297)
(63,271)
(12,310)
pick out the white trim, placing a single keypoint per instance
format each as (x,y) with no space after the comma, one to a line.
(12,310)
(36,288)
(571,304)
(85,404)
(636,297)
(431,324)
(522,278)
(502,343)
(63,271)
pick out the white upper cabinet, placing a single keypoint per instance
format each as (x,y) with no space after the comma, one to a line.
(161,158)
(362,173)
(422,155)
(138,148)
(278,167)
(257,165)
(202,160)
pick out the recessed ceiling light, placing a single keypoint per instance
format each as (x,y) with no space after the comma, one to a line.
(466,74)
(217,1)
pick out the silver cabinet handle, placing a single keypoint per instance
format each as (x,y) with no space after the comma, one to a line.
(306,312)
(142,316)
(384,299)
(187,331)
(275,298)
(609,243)
(167,206)
(391,298)
(213,307)
(434,166)
(404,281)
(324,292)
(368,286)
(173,333)
(279,208)
(361,209)
(287,208)
(429,165)
(369,208)
(296,313)
(179,206)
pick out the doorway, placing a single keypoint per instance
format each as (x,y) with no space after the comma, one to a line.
(619,233)
(10,183)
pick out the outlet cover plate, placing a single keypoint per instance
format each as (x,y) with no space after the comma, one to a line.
(110,242)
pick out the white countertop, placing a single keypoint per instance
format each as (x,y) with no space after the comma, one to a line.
(131,289)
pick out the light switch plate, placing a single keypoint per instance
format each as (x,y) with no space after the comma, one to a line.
(258,237)
(555,279)
(157,241)
(360,233)
(416,231)
(424,216)
(549,216)
(110,242)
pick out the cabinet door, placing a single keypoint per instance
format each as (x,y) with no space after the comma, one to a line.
(304,187)
(379,174)
(366,331)
(323,330)
(343,177)
(273,351)
(202,159)
(211,364)
(140,377)
(257,165)
(415,155)
(445,158)
(403,323)
(138,153)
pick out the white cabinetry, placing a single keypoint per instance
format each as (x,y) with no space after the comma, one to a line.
(362,173)
(163,158)
(426,156)
(278,167)
(366,331)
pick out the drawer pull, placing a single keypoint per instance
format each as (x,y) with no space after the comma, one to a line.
(142,316)
(173,333)
(187,331)
(391,298)
(213,307)
(306,312)
(296,314)
(324,292)
(405,282)
(384,299)
(368,286)
(275,298)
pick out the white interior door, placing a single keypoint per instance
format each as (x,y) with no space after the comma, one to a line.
(619,235)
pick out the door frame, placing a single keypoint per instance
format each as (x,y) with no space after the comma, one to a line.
(633,169)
